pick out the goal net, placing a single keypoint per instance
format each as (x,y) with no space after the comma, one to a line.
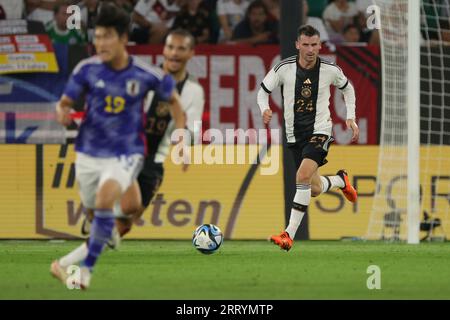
(389,217)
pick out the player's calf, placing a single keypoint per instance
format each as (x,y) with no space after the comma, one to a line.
(316,190)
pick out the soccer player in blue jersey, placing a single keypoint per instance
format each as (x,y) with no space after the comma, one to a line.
(178,50)
(110,145)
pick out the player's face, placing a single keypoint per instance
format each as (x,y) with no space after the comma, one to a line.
(308,47)
(61,17)
(177,52)
(257,17)
(108,44)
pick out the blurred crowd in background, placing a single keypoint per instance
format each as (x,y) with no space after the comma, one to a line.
(214,21)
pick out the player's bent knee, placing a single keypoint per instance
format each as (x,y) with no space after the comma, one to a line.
(104,204)
(304,178)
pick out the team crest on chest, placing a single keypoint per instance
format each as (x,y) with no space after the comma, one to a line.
(306,92)
(132,88)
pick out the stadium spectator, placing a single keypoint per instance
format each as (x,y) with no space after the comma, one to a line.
(89,10)
(153,19)
(230,13)
(435,24)
(214,24)
(370,36)
(351,34)
(11,9)
(363,15)
(315,22)
(274,15)
(195,18)
(36,10)
(256,27)
(57,28)
(337,16)
(127,5)
(273,6)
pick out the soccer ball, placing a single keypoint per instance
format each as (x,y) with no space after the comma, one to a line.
(207,238)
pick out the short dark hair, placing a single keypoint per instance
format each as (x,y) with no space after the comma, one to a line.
(183,33)
(308,31)
(59,5)
(257,4)
(112,16)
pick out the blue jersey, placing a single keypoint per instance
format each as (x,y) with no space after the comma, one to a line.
(114,120)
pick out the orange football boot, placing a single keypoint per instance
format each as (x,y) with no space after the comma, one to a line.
(283,241)
(348,191)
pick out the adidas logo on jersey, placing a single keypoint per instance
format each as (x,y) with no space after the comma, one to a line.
(100,84)
(307,81)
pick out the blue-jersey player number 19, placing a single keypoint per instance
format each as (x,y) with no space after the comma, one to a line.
(110,145)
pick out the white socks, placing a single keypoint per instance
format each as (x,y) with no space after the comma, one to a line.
(326,183)
(75,256)
(303,198)
(294,222)
(330,182)
(299,207)
(336,181)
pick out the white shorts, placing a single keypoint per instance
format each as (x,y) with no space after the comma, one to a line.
(92,172)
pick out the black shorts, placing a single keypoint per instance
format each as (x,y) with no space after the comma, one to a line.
(150,180)
(314,147)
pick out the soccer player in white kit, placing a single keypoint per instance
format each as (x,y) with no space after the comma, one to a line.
(305,81)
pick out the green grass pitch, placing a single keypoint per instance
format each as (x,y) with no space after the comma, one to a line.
(240,270)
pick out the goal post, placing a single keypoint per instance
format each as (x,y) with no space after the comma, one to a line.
(412,196)
(413,108)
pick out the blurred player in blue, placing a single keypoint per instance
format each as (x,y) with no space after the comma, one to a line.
(178,50)
(110,145)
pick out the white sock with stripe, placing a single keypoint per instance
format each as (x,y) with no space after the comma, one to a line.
(301,201)
(330,182)
(75,256)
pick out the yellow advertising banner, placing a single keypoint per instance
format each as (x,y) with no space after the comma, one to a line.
(39,196)
(28,62)
(236,197)
(18,191)
(27,53)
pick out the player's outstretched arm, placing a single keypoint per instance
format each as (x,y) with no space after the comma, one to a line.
(63,108)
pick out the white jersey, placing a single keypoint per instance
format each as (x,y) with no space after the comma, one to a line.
(305,96)
(193,100)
